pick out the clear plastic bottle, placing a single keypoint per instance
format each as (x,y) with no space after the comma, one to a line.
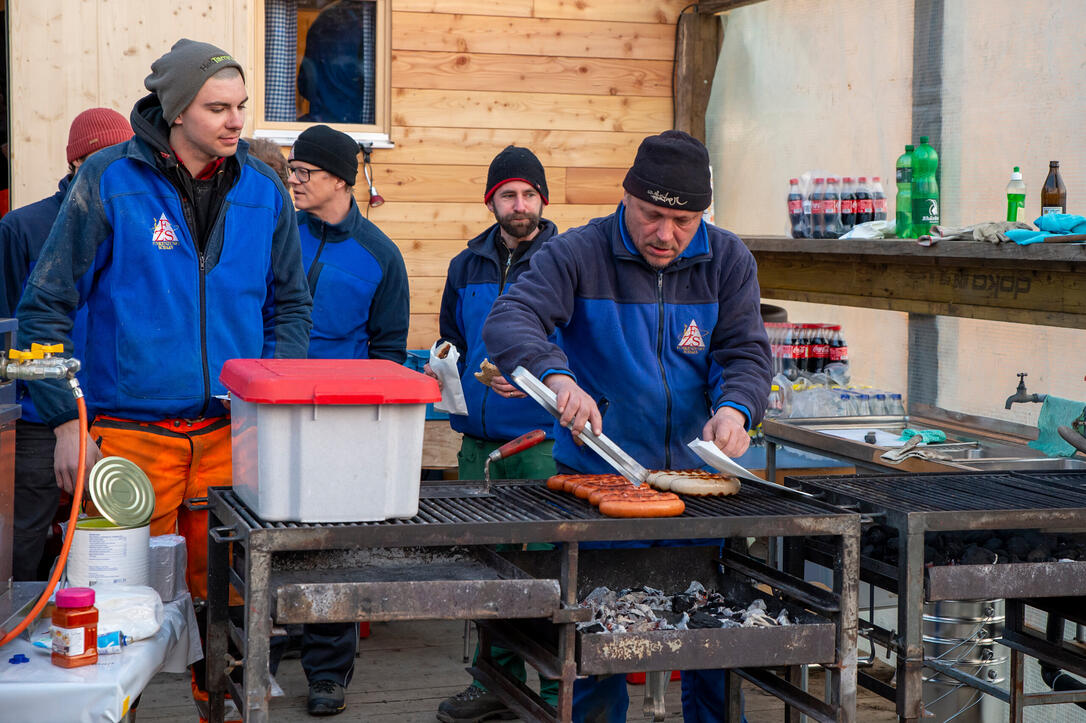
(897,406)
(844,405)
(775,406)
(880,405)
(864,408)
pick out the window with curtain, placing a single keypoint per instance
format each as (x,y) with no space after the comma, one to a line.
(323,64)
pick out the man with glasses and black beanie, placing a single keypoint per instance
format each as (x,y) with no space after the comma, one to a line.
(358,281)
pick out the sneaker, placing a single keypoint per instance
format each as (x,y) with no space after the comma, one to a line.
(325,698)
(471,705)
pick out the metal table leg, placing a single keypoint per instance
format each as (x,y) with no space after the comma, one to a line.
(567,636)
(841,678)
(256,696)
(910,611)
(218,620)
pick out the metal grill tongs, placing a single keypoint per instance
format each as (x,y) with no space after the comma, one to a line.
(626,465)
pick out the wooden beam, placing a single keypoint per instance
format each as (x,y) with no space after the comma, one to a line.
(712,7)
(698,44)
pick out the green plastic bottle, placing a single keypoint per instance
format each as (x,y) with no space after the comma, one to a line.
(1016,197)
(904,201)
(925,189)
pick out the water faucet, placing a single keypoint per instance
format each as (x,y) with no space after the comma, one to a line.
(1020,394)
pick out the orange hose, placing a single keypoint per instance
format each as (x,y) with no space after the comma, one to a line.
(77,496)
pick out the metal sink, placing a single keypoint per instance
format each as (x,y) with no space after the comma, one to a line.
(1027,464)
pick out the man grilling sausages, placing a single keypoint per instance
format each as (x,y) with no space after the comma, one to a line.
(658,313)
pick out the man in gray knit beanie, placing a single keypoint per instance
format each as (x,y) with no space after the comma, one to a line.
(178,75)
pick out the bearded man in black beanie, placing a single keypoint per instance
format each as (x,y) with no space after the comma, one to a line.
(516,192)
(659,313)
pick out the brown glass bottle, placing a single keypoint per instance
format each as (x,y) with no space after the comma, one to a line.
(1053,193)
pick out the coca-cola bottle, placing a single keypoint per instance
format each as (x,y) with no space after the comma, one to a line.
(820,349)
(800,347)
(878,198)
(795,209)
(848,204)
(839,350)
(865,204)
(788,365)
(831,210)
(817,229)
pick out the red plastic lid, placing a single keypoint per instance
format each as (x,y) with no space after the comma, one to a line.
(327,381)
(793,181)
(75,597)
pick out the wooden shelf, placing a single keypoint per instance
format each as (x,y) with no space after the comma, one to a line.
(1037,284)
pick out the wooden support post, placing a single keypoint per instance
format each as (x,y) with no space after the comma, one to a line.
(698,45)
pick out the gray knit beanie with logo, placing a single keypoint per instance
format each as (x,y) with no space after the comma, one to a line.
(178,75)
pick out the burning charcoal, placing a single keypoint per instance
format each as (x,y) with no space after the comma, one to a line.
(668,618)
(1039,554)
(591,628)
(975,555)
(704,620)
(783,618)
(600,597)
(994,543)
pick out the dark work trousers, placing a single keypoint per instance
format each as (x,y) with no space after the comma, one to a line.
(328,651)
(36,497)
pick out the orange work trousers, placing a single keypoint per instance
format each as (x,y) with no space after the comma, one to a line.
(182,459)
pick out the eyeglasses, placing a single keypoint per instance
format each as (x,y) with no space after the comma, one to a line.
(303,174)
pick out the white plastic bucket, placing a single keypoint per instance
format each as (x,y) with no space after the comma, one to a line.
(103,553)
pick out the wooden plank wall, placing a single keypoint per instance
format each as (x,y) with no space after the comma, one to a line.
(580,82)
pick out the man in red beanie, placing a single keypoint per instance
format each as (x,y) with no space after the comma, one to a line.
(22,235)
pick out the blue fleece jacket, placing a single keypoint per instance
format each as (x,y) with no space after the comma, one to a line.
(163,316)
(473,283)
(359,286)
(22,235)
(665,349)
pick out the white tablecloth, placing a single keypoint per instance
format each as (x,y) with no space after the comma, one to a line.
(42,692)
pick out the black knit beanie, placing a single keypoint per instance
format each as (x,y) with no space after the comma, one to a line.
(671,170)
(329,149)
(516,164)
(178,75)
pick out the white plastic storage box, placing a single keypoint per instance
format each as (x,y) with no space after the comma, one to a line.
(327,440)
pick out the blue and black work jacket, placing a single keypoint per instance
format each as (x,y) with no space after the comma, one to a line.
(477,276)
(358,281)
(171,292)
(659,350)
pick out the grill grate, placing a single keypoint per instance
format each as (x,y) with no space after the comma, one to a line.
(957,492)
(535,503)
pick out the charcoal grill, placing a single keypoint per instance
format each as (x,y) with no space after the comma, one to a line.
(916,504)
(535,614)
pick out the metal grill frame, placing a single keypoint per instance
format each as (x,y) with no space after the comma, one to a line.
(529,513)
(1059,504)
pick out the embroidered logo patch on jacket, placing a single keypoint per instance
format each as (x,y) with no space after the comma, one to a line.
(691,341)
(163,235)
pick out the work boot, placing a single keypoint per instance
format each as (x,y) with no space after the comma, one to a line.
(325,698)
(471,705)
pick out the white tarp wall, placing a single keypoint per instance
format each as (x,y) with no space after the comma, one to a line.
(813,84)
